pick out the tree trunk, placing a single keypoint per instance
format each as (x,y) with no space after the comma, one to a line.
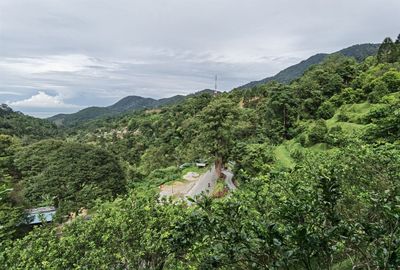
(285,133)
(218,167)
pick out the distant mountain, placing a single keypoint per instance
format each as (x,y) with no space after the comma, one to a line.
(129,103)
(132,103)
(359,52)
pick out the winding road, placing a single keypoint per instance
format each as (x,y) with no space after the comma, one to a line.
(207,181)
(205,184)
(228,179)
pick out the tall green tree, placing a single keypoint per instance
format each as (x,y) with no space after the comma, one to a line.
(387,51)
(397,43)
(215,131)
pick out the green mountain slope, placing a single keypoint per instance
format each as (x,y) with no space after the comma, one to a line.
(132,103)
(17,124)
(127,104)
(359,52)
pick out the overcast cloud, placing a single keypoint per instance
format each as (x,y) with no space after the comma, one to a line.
(63,55)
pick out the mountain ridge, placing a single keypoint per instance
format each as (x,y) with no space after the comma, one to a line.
(133,102)
(126,104)
(358,51)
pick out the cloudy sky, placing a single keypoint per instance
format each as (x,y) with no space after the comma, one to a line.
(63,55)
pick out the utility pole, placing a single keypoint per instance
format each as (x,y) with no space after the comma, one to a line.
(216,84)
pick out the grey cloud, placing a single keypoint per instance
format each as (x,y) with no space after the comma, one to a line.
(95,52)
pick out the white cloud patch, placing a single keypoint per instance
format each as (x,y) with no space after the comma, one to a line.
(69,63)
(10,93)
(42,100)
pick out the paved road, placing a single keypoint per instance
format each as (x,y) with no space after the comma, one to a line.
(228,179)
(205,183)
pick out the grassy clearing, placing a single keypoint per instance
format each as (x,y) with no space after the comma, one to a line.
(350,116)
(319,147)
(282,156)
(179,177)
(194,169)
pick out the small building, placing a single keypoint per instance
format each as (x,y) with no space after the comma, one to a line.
(201,164)
(38,215)
(185,165)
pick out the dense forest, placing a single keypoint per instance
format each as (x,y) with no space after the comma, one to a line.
(316,162)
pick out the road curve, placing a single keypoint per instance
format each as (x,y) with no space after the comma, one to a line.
(205,184)
(228,179)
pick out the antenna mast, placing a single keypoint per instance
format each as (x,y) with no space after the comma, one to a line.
(216,81)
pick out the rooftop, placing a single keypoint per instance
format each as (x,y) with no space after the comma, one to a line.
(38,215)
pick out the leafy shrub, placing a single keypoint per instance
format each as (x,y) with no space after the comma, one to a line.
(380,89)
(326,110)
(348,96)
(303,140)
(386,123)
(74,174)
(392,80)
(297,154)
(336,136)
(342,117)
(161,176)
(318,132)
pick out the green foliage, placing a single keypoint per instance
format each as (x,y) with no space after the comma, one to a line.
(318,132)
(359,52)
(161,176)
(324,81)
(126,234)
(313,194)
(348,95)
(279,113)
(388,51)
(326,110)
(333,207)
(74,174)
(215,131)
(379,89)
(336,137)
(26,127)
(392,80)
(252,160)
(10,214)
(386,123)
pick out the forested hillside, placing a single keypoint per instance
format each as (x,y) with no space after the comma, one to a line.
(26,127)
(127,104)
(316,162)
(359,52)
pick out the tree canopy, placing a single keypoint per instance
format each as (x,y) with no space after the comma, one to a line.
(71,174)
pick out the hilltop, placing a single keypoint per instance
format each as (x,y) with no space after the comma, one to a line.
(126,104)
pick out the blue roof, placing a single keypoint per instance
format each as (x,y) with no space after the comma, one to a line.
(37,215)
